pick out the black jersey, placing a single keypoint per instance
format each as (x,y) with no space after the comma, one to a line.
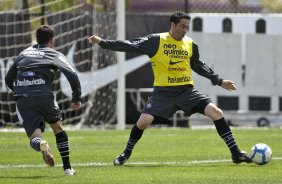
(34,70)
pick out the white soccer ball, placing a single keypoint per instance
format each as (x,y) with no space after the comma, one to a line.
(261,154)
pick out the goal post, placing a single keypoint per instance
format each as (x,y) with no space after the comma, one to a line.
(121,66)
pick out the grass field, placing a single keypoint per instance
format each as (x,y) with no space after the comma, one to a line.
(162,156)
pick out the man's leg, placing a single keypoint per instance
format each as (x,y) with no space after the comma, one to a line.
(35,139)
(63,147)
(135,135)
(41,145)
(224,131)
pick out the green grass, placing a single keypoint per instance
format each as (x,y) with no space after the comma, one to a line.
(162,156)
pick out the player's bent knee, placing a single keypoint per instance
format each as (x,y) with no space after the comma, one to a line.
(144,121)
(142,124)
(218,113)
(56,127)
(213,112)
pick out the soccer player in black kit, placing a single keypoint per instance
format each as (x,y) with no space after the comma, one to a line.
(173,56)
(30,78)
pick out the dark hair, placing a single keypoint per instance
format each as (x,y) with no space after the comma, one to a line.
(44,34)
(177,16)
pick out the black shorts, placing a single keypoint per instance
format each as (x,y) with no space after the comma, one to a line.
(33,111)
(165,101)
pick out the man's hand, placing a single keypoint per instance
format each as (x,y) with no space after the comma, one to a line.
(228,85)
(75,105)
(94,39)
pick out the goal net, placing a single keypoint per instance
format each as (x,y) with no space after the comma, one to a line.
(73,22)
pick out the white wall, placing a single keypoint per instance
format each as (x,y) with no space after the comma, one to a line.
(263,65)
(227,52)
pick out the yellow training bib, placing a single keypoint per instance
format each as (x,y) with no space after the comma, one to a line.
(171,63)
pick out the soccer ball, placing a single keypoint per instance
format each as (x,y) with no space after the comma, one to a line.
(261,154)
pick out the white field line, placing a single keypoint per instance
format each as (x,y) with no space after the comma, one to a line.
(90,164)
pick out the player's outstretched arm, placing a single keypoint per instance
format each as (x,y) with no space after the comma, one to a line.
(143,45)
(94,39)
(228,85)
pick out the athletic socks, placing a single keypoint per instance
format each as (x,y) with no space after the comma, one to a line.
(63,147)
(35,143)
(134,137)
(225,133)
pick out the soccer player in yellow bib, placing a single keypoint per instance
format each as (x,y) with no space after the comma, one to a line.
(173,56)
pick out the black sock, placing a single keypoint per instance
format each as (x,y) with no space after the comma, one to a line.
(134,137)
(225,133)
(35,143)
(63,147)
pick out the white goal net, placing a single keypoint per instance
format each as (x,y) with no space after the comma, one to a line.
(73,21)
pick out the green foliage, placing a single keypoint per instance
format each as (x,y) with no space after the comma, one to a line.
(35,5)
(161,157)
(9,5)
(274,6)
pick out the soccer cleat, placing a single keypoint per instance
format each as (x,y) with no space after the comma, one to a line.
(242,157)
(47,156)
(70,172)
(121,159)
